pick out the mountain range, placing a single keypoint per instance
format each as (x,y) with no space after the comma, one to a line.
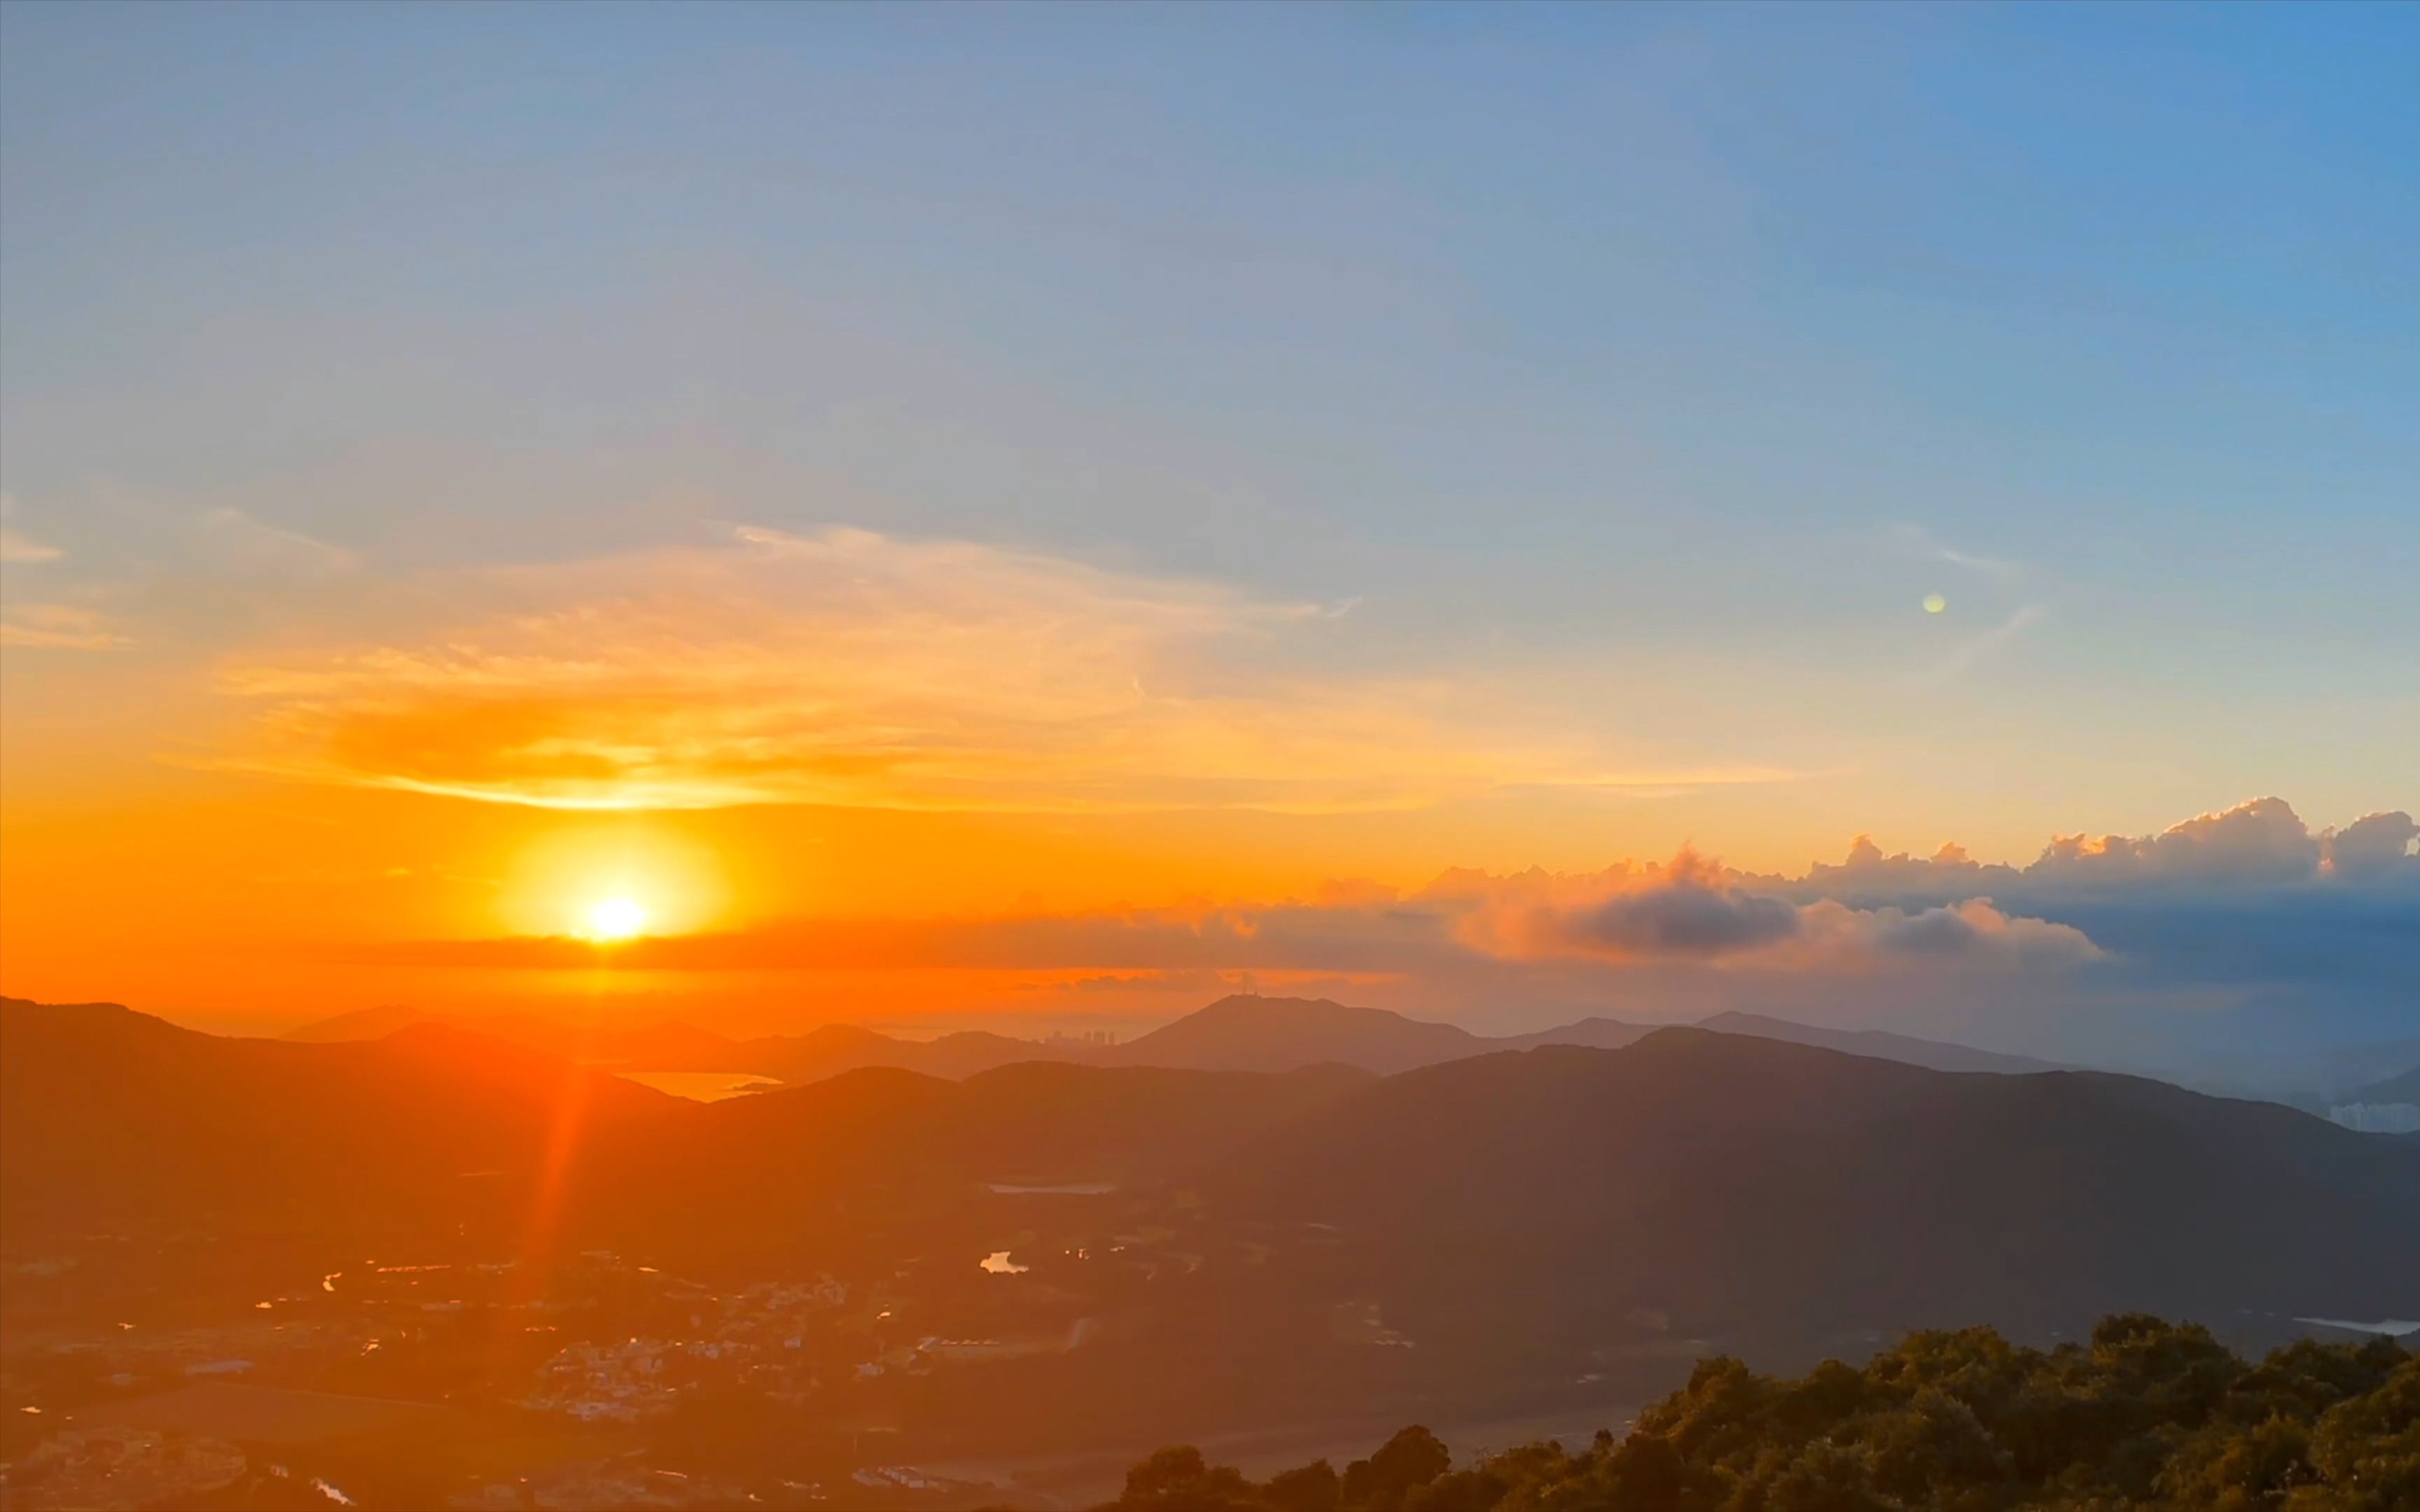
(1235,1033)
(1503,1199)
(2392,1089)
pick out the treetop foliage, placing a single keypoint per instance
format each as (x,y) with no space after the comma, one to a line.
(2146,1416)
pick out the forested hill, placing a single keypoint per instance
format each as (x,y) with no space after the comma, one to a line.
(2147,1415)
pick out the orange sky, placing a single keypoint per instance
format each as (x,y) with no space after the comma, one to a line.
(252,799)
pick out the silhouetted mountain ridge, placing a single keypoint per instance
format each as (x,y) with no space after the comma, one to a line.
(1730,1182)
(2403,1089)
(1241,1032)
(1879,1044)
(107,1115)
(1509,1200)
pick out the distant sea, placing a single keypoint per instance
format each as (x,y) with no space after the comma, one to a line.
(700,1086)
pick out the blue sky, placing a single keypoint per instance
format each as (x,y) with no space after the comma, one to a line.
(1668,349)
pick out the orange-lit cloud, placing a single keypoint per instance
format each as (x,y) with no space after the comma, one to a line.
(1689,910)
(851,668)
(1694,909)
(47,626)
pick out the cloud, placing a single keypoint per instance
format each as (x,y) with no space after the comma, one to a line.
(848,667)
(1869,873)
(2226,944)
(1281,937)
(57,627)
(2375,845)
(2000,567)
(1687,911)
(20,549)
(2260,842)
(1918,541)
(1967,653)
(2250,875)
(1974,934)
(1691,909)
(236,544)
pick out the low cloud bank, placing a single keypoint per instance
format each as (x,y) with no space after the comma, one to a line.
(2260,843)
(2237,933)
(1691,909)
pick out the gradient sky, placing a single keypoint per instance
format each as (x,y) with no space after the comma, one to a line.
(905,463)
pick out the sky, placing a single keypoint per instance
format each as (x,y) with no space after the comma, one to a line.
(830,475)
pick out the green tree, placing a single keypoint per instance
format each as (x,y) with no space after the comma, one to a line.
(1311,1487)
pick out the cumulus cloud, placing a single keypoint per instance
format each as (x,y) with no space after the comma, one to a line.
(2262,840)
(2375,845)
(849,668)
(1684,909)
(1693,909)
(2261,843)
(1867,871)
(2195,947)
(1974,932)
(1872,912)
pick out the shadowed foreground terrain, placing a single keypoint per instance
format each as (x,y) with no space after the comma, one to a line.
(440,1268)
(2148,1414)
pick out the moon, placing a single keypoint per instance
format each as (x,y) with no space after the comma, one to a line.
(1934,603)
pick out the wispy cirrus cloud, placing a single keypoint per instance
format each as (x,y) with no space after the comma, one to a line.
(17,547)
(50,626)
(23,549)
(1976,648)
(848,667)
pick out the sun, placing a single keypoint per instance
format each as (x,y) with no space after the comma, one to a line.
(615,919)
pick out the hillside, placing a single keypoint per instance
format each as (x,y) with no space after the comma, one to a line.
(111,1117)
(760,1173)
(1717,1178)
(1941,1422)
(2393,1090)
(361,1024)
(1245,1033)
(1549,1200)
(1523,1220)
(1878,1044)
(1591,1033)
(108,1116)
(1237,1033)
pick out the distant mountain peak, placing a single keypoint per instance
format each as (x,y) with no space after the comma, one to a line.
(1877,1045)
(361,1024)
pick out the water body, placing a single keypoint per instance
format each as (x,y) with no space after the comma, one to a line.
(700,1086)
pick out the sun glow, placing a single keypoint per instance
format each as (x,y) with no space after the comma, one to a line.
(614,918)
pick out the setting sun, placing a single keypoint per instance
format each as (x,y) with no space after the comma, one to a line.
(925,753)
(615,919)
